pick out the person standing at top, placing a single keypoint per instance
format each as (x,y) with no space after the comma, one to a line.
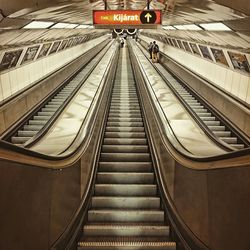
(155,51)
(150,46)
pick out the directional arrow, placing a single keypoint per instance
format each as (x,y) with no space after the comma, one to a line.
(148,16)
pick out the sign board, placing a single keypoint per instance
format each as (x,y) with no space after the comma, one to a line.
(126,18)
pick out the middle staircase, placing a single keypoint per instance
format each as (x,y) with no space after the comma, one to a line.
(126,210)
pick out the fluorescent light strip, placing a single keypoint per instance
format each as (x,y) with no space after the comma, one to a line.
(168,27)
(71,26)
(38,25)
(191,27)
(215,27)
(64,26)
(82,26)
(179,27)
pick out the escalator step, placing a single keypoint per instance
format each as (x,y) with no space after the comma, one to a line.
(126,245)
(134,157)
(115,215)
(125,134)
(25,133)
(19,140)
(33,127)
(125,129)
(124,124)
(125,141)
(125,202)
(125,149)
(125,166)
(125,178)
(125,189)
(126,230)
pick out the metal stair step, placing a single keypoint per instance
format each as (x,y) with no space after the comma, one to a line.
(125,129)
(229,140)
(217,128)
(238,146)
(26,133)
(19,140)
(115,215)
(125,149)
(212,123)
(222,133)
(39,117)
(120,157)
(125,141)
(125,134)
(126,189)
(124,119)
(125,166)
(125,178)
(209,118)
(33,127)
(50,109)
(126,230)
(46,113)
(124,115)
(125,202)
(126,245)
(37,122)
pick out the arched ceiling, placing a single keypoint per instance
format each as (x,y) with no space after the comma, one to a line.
(233,13)
(80,11)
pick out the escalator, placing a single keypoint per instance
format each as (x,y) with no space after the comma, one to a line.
(213,122)
(51,108)
(125,210)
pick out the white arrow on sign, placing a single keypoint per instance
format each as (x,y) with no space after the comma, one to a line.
(148,16)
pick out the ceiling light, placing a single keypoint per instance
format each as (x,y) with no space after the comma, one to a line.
(64,26)
(38,25)
(179,27)
(59,26)
(191,27)
(82,26)
(168,28)
(71,26)
(215,26)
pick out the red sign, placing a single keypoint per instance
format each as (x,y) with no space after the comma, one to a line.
(126,17)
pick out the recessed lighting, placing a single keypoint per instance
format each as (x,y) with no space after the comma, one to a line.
(215,26)
(38,25)
(82,26)
(64,26)
(192,27)
(168,27)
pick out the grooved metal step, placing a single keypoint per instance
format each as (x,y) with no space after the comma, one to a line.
(125,141)
(126,189)
(125,178)
(126,230)
(126,245)
(125,157)
(115,215)
(125,166)
(125,149)
(126,202)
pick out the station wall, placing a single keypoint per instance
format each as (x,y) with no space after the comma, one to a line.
(15,80)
